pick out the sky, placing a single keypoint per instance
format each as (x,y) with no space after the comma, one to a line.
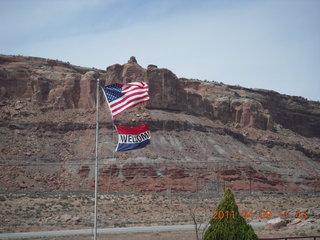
(266,44)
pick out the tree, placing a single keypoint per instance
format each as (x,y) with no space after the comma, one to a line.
(193,210)
(227,223)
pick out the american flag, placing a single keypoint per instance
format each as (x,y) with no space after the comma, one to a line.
(122,96)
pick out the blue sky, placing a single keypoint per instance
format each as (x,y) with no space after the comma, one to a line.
(269,44)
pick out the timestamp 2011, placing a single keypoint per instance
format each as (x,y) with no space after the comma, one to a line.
(263,214)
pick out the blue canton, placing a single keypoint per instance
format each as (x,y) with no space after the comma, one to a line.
(113,92)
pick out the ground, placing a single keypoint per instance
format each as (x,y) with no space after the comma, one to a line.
(44,211)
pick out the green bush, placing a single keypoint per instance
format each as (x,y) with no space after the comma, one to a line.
(230,225)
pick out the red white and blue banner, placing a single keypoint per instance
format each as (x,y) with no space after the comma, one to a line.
(132,138)
(122,96)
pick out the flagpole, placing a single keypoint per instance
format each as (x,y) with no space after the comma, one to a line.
(96,166)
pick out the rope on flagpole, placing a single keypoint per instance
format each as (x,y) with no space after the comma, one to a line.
(96,166)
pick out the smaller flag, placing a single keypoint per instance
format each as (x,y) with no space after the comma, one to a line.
(132,138)
(122,96)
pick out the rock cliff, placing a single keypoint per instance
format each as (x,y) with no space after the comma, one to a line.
(205,135)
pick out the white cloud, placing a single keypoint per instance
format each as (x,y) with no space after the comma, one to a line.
(265,44)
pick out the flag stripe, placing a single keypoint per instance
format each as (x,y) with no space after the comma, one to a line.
(130,94)
(127,147)
(130,105)
(127,100)
(127,88)
(129,130)
(132,138)
(122,96)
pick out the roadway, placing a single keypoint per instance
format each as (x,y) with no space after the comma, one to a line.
(168,228)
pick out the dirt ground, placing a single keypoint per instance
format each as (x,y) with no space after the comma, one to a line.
(45,211)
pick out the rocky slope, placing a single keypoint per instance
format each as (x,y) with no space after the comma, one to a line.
(205,135)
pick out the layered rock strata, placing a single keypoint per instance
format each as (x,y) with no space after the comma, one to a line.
(205,135)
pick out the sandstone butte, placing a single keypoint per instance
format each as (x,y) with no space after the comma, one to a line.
(205,135)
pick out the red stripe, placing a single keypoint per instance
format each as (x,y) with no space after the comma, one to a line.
(133,88)
(127,106)
(132,131)
(132,100)
(128,92)
(130,107)
(127,95)
(126,85)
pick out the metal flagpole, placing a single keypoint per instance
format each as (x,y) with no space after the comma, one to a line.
(96,166)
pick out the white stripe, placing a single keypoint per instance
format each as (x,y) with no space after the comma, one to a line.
(136,92)
(130,104)
(131,88)
(114,107)
(142,140)
(137,84)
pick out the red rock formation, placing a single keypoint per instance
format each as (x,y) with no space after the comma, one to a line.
(241,135)
(253,108)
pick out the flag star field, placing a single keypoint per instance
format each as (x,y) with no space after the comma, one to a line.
(114,92)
